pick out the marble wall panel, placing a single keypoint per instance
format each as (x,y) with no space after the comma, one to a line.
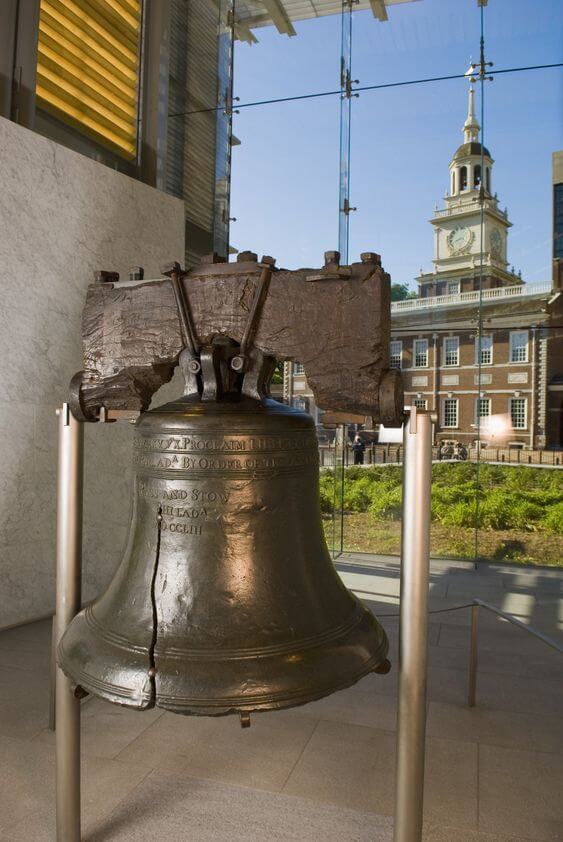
(62,216)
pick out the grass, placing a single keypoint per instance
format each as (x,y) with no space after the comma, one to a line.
(516,514)
(362,533)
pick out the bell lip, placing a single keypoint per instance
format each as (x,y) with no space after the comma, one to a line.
(140,694)
(222,708)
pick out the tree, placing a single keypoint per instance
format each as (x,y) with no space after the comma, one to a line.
(401,292)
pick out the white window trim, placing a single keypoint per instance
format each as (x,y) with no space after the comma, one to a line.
(398,342)
(478,417)
(510,347)
(453,426)
(414,365)
(519,398)
(446,364)
(298,370)
(478,350)
(418,401)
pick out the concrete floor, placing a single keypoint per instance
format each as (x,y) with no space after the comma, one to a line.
(324,771)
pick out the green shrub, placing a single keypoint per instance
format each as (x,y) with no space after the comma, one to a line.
(387,504)
(553,518)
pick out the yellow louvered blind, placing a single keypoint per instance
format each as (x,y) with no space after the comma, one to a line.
(88,68)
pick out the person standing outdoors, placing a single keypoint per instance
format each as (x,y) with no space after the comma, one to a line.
(359,448)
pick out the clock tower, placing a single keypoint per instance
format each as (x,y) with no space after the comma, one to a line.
(462,239)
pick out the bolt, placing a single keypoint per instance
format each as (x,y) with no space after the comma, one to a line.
(332,257)
(152,672)
(137,273)
(194,366)
(101,276)
(244,256)
(370,257)
(269,261)
(171,268)
(238,363)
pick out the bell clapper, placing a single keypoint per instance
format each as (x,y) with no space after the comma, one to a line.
(384,667)
(245,720)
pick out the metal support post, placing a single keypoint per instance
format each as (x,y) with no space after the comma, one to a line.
(472,692)
(413,632)
(69,574)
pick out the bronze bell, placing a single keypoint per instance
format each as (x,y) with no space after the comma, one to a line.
(226,600)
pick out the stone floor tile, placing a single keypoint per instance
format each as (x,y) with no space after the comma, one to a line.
(520,694)
(501,638)
(447,833)
(347,765)
(261,756)
(495,727)
(354,766)
(174,808)
(27,788)
(520,793)
(358,705)
(107,728)
(546,664)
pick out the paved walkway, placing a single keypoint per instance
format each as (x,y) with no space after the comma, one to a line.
(324,771)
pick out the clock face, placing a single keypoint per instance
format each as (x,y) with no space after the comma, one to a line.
(459,239)
(496,241)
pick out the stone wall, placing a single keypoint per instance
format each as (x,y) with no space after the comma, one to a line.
(62,216)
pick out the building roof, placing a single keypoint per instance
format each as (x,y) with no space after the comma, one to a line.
(472,148)
(251,14)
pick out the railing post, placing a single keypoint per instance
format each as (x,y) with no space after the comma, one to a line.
(473,656)
(413,631)
(68,598)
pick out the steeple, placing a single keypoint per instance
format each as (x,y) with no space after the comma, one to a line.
(471,126)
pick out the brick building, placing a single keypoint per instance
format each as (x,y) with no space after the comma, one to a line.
(477,342)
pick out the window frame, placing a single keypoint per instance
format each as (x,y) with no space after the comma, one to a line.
(398,342)
(446,426)
(479,349)
(525,414)
(415,353)
(298,369)
(417,401)
(445,362)
(511,347)
(478,401)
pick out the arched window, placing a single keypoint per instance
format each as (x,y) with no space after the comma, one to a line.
(453,182)
(477,176)
(488,179)
(463,179)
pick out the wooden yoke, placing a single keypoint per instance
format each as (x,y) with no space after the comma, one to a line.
(334,320)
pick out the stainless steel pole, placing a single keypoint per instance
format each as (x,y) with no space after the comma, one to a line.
(473,657)
(69,574)
(413,631)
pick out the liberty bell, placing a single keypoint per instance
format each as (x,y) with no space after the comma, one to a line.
(226,599)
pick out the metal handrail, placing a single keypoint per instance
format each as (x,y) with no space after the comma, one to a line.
(475,605)
(473,653)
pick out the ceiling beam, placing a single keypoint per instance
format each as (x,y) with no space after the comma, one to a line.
(378,9)
(279,17)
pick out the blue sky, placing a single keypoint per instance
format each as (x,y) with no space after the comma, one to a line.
(285,172)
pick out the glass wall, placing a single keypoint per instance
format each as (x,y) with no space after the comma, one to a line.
(430,138)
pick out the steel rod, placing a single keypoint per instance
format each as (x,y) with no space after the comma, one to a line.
(68,596)
(473,656)
(413,631)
